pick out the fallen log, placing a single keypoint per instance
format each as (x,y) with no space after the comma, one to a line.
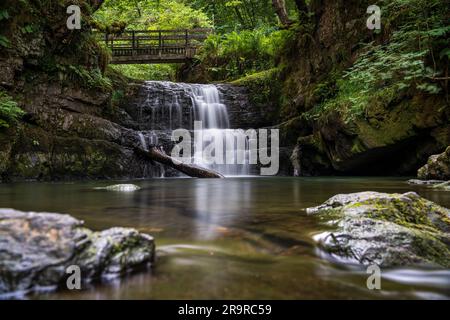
(154,154)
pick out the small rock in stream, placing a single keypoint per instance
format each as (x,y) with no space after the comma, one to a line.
(121,188)
(424,182)
(37,248)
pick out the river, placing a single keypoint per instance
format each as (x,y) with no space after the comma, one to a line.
(234,238)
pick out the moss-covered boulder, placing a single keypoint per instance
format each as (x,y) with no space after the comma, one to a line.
(437,167)
(36,249)
(385,229)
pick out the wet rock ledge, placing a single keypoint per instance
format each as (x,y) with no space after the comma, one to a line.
(385,229)
(37,248)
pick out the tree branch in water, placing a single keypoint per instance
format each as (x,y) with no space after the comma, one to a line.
(154,154)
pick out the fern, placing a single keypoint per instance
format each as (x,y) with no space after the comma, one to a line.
(9,110)
(4,42)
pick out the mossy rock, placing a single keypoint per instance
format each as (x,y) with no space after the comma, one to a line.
(37,248)
(385,229)
(437,167)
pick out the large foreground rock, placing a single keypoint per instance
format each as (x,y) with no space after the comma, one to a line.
(385,229)
(437,167)
(37,248)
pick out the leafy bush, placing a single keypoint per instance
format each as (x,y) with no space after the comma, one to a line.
(162,72)
(9,111)
(91,79)
(414,57)
(236,54)
(151,14)
(4,41)
(416,52)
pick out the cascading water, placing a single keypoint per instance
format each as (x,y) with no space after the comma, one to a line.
(165,106)
(213,114)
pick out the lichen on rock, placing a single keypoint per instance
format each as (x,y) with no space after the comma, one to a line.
(385,229)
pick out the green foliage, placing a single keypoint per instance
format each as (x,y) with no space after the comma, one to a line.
(237,54)
(264,87)
(4,14)
(29,28)
(163,72)
(92,79)
(152,14)
(413,58)
(117,96)
(409,59)
(4,42)
(9,111)
(235,15)
(116,15)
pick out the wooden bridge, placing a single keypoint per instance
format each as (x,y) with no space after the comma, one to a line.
(155,46)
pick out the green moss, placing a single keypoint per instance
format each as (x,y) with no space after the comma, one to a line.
(410,214)
(264,89)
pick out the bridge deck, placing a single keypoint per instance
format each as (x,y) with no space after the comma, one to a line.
(155,46)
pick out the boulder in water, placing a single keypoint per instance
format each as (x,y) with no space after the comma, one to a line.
(437,167)
(37,248)
(385,229)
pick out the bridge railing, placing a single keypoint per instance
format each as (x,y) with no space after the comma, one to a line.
(155,44)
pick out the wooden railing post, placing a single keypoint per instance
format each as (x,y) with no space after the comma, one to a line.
(187,43)
(133,45)
(160,43)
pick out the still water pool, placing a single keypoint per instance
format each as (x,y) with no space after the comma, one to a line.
(237,238)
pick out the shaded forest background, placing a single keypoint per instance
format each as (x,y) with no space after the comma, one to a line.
(347,100)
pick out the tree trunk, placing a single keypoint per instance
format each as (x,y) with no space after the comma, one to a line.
(96,4)
(154,154)
(301,5)
(280,9)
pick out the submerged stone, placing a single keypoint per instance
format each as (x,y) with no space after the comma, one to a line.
(36,250)
(385,229)
(121,188)
(443,186)
(424,182)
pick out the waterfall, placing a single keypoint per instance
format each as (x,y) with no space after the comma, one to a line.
(143,141)
(164,106)
(208,107)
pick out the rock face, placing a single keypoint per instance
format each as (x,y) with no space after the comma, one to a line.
(37,248)
(73,133)
(385,229)
(437,167)
(395,136)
